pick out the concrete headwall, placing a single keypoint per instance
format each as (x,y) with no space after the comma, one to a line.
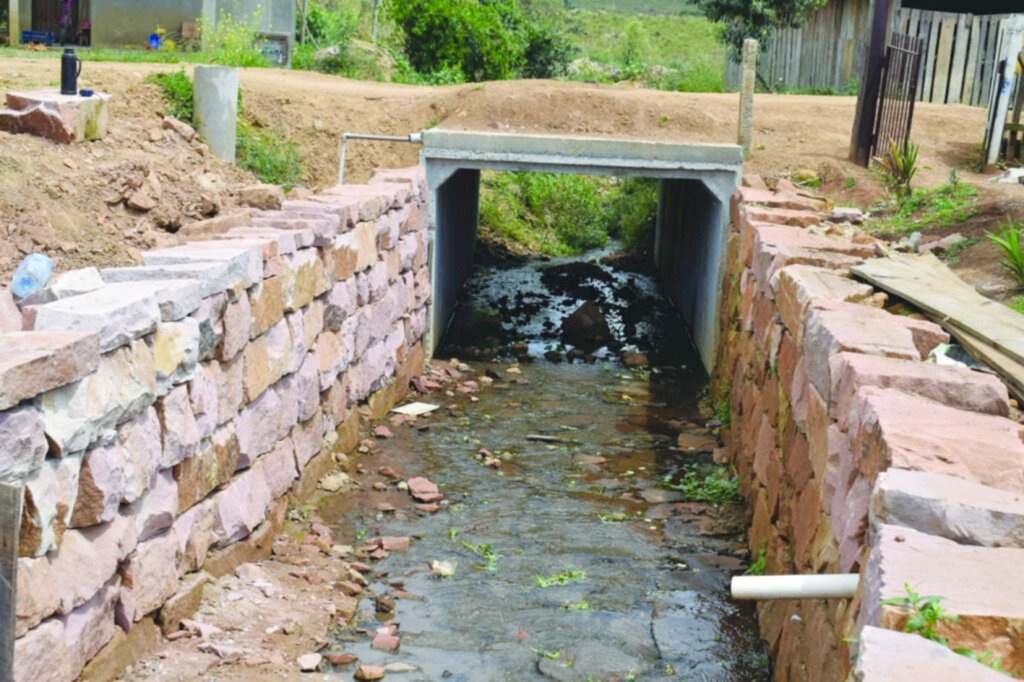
(856,456)
(159,419)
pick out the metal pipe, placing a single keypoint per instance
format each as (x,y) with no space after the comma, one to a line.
(763,587)
(414,138)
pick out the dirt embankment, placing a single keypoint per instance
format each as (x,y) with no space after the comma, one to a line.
(55,198)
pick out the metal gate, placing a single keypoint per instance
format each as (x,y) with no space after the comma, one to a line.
(895,112)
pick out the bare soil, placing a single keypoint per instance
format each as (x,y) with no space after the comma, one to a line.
(52,205)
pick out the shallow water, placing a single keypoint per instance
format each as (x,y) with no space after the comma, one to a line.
(654,601)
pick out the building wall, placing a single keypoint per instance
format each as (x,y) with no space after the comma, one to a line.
(130,22)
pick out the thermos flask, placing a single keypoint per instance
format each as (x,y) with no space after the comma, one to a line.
(70,70)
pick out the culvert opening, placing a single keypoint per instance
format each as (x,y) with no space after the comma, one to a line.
(593,484)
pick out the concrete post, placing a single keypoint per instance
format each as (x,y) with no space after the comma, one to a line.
(747,81)
(216,108)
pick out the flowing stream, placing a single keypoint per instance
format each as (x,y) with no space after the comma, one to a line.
(570,561)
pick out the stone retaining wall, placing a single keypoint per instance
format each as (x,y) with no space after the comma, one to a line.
(160,418)
(855,455)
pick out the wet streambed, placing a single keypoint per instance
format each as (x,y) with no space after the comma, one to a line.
(570,561)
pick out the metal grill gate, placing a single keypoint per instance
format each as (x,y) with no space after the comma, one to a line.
(895,112)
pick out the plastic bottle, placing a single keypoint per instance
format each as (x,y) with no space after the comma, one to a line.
(32,274)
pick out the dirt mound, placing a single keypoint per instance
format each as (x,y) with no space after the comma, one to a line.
(54,198)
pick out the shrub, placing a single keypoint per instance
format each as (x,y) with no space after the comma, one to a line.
(232,42)
(326,25)
(482,39)
(1009,239)
(635,49)
(899,164)
(268,154)
(177,94)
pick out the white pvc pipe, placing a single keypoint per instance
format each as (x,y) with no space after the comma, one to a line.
(762,587)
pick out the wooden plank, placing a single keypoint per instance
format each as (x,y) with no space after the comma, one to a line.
(943,57)
(972,62)
(928,32)
(931,286)
(1011,372)
(10,522)
(961,36)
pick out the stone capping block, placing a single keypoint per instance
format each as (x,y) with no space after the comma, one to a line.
(892,428)
(956,387)
(247,256)
(119,313)
(796,286)
(57,117)
(832,328)
(212,277)
(32,363)
(966,512)
(889,656)
(980,585)
(415,176)
(286,241)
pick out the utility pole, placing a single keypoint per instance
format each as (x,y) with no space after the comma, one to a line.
(304,32)
(870,85)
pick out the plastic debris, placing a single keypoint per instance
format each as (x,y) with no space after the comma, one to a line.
(32,274)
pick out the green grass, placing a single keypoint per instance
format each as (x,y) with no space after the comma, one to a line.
(705,483)
(177,93)
(670,7)
(946,205)
(684,47)
(1016,303)
(562,215)
(564,578)
(110,54)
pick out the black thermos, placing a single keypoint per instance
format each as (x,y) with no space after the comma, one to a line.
(70,70)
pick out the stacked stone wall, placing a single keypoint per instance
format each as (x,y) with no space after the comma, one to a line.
(855,455)
(159,418)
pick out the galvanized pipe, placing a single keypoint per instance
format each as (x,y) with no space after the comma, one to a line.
(765,587)
(414,138)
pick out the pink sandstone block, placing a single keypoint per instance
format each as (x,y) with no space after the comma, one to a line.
(32,363)
(850,327)
(194,530)
(966,512)
(247,259)
(56,117)
(904,657)
(150,577)
(891,428)
(181,435)
(41,655)
(976,584)
(953,386)
(415,176)
(157,508)
(796,286)
(35,597)
(277,468)
(117,312)
(89,627)
(88,559)
(23,444)
(241,506)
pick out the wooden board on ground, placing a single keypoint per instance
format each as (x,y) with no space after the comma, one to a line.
(987,329)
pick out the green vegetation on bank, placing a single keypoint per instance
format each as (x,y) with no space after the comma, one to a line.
(561,215)
(267,153)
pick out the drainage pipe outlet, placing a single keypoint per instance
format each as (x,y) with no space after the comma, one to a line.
(751,587)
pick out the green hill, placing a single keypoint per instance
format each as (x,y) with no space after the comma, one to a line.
(670,7)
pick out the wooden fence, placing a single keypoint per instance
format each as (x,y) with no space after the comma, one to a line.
(828,53)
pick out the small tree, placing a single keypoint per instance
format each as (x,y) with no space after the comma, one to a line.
(742,19)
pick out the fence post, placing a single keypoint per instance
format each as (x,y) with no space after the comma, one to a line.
(1002,86)
(870,85)
(747,81)
(10,522)
(216,108)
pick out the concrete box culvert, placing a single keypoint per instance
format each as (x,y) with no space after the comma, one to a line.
(697,181)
